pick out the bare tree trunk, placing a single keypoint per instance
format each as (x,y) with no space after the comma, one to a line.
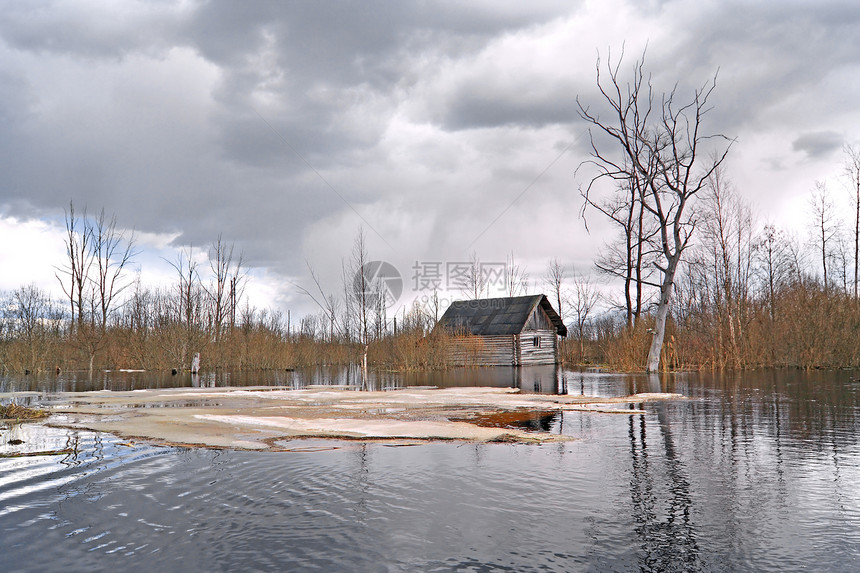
(640,244)
(653,363)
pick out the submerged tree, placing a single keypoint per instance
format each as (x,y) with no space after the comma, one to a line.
(659,148)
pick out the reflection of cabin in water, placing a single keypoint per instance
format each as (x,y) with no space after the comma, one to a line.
(511,331)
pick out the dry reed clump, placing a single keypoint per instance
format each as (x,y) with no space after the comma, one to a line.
(411,350)
(627,351)
(16,412)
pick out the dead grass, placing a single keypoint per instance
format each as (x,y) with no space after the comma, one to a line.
(16,412)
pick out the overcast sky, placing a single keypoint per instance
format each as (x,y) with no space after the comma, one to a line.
(287,126)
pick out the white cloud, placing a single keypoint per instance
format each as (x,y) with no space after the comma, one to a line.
(31,251)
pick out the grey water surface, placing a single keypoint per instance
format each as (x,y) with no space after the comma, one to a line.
(757,471)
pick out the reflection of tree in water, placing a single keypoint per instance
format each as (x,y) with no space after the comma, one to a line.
(668,536)
(362,484)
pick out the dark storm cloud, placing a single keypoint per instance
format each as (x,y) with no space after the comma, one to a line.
(483,106)
(818,144)
(357,40)
(324,60)
(763,55)
(768,55)
(224,117)
(324,77)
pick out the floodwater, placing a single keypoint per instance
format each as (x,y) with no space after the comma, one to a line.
(532,379)
(757,472)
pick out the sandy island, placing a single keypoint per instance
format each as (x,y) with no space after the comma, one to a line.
(266,418)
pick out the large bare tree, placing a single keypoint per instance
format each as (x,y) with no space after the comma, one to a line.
(659,147)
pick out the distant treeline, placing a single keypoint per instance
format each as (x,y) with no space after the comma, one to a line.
(150,332)
(803,325)
(746,296)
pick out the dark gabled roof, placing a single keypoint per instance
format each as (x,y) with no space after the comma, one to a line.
(495,316)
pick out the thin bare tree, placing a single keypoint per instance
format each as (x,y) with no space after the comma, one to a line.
(516,277)
(228,280)
(98,254)
(632,259)
(186,316)
(825,226)
(851,172)
(112,251)
(725,254)
(554,279)
(360,294)
(328,304)
(475,282)
(189,286)
(773,264)
(74,275)
(584,298)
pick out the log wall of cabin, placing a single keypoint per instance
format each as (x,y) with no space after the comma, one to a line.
(482,350)
(545,353)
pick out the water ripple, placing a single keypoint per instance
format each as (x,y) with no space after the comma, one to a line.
(746,480)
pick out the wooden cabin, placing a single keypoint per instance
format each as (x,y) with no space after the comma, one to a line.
(510,331)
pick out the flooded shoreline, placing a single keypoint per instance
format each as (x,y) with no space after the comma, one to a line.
(265,418)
